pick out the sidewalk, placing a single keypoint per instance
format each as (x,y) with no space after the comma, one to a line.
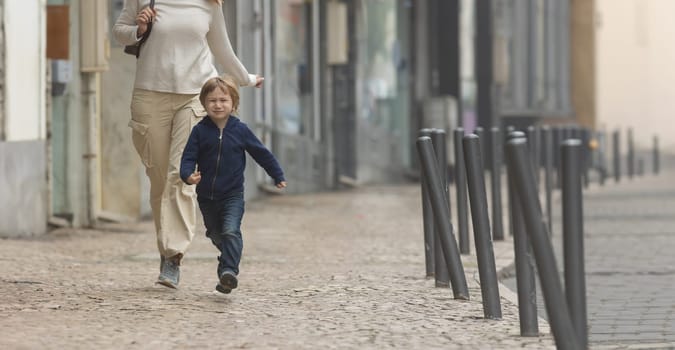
(630,239)
(628,242)
(331,270)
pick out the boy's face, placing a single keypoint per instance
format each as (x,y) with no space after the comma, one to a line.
(218,104)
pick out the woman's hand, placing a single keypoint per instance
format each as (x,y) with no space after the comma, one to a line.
(194,178)
(281,184)
(259,81)
(147,15)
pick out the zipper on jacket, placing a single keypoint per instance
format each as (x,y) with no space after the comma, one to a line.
(220,147)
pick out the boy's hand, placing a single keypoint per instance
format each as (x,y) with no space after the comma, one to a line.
(194,178)
(281,184)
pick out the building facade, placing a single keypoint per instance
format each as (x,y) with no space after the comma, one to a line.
(23,155)
(347,85)
(334,107)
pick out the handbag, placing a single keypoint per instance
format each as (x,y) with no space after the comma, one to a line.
(135,49)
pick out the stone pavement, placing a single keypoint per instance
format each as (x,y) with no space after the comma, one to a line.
(630,262)
(630,265)
(330,270)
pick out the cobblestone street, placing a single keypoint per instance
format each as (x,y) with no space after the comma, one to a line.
(328,270)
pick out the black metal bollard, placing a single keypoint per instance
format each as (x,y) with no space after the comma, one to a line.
(481,228)
(460,186)
(537,154)
(480,132)
(586,156)
(556,305)
(532,145)
(557,139)
(548,175)
(616,156)
(655,156)
(441,273)
(509,189)
(427,218)
(573,235)
(442,218)
(631,154)
(526,287)
(602,155)
(496,176)
(509,130)
(568,133)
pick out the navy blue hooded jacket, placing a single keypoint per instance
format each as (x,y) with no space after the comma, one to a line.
(221,158)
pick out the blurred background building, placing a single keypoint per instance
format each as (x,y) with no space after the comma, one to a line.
(348,84)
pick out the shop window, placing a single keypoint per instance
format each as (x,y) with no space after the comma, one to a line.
(293,66)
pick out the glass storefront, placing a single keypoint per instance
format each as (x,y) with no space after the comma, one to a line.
(533,40)
(382,69)
(293,66)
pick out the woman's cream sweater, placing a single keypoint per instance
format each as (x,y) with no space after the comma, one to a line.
(177,57)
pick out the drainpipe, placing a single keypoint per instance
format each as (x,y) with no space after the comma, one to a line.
(91,95)
(94,56)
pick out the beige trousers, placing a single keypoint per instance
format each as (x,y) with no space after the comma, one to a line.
(161,124)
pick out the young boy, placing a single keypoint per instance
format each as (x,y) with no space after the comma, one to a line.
(216,146)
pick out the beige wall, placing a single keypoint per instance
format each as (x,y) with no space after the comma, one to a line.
(635,64)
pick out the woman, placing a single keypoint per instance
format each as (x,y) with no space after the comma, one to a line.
(174,63)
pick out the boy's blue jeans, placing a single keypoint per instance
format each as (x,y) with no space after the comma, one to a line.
(222,218)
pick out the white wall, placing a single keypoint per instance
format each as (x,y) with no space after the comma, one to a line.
(636,68)
(25,69)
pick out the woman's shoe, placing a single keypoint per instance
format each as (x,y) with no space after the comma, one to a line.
(169,274)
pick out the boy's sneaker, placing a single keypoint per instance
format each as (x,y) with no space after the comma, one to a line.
(228,280)
(169,274)
(222,289)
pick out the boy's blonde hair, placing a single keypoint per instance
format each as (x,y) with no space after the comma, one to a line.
(226,85)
